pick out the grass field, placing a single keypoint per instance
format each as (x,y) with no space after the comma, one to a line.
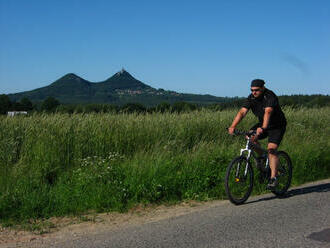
(52,165)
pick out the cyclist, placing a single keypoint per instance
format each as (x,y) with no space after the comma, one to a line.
(272,123)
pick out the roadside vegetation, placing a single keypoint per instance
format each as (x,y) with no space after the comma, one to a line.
(62,164)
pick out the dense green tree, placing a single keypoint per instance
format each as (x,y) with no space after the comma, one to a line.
(68,108)
(133,108)
(5,104)
(109,108)
(26,104)
(163,107)
(90,108)
(16,106)
(50,104)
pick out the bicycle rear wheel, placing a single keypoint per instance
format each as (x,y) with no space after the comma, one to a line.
(239,180)
(284,173)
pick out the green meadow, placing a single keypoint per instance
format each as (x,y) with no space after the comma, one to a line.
(62,164)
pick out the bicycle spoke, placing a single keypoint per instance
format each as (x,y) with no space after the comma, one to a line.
(238,183)
(284,174)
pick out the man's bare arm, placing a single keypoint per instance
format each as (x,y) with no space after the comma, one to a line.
(268,112)
(240,115)
(265,123)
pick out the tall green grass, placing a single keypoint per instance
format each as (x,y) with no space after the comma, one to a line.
(66,164)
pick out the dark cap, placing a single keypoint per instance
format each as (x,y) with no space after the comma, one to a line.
(257,83)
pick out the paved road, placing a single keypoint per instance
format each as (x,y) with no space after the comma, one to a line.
(302,219)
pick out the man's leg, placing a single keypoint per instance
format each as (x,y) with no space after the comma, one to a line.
(256,142)
(273,158)
(255,139)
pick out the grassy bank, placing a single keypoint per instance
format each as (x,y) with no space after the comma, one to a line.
(66,164)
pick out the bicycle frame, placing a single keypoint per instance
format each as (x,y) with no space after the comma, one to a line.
(248,148)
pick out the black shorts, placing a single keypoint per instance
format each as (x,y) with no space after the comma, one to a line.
(275,135)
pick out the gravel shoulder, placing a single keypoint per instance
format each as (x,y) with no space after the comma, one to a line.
(69,227)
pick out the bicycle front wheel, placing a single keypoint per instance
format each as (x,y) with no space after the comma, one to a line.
(239,180)
(284,173)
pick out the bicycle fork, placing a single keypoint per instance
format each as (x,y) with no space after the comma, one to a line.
(244,150)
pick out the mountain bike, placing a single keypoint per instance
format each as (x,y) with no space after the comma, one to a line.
(239,176)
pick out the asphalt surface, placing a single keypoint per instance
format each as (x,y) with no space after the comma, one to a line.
(302,219)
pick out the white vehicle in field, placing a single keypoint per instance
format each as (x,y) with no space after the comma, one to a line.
(13,113)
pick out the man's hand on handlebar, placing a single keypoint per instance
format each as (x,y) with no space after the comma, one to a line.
(231,130)
(259,131)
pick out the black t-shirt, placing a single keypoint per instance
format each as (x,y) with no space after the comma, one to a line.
(258,105)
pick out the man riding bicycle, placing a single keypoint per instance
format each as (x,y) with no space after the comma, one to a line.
(272,123)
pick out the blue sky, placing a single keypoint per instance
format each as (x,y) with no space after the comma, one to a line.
(203,47)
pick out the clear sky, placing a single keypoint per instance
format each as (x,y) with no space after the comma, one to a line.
(203,47)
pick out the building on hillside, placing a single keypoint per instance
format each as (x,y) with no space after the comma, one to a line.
(13,113)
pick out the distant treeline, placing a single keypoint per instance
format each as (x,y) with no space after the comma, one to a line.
(52,105)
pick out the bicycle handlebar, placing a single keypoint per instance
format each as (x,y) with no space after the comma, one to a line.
(245,133)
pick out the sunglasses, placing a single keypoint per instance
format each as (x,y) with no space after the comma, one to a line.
(255,90)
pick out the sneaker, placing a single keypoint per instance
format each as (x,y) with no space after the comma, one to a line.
(273,182)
